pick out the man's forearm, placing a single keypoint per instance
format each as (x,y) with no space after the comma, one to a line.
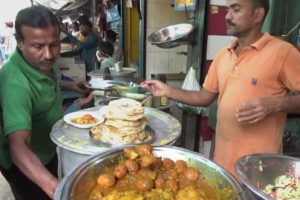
(66,85)
(289,104)
(200,98)
(31,166)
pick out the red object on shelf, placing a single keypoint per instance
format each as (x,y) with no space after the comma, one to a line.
(204,130)
(216,20)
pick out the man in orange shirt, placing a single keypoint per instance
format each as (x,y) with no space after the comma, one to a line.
(257,79)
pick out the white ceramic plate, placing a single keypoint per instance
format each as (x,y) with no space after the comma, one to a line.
(68,118)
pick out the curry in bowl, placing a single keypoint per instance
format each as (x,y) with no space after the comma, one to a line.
(143,176)
(135,173)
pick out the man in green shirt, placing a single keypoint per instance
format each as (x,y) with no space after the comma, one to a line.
(31,103)
(88,47)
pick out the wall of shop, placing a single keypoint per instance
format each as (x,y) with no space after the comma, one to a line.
(160,13)
(286,15)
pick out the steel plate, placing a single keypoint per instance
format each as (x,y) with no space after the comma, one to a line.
(166,128)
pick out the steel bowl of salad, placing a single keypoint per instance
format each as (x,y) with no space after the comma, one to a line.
(270,176)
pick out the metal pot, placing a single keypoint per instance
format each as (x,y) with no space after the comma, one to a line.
(172,36)
(263,169)
(82,180)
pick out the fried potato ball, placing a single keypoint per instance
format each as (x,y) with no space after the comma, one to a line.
(130,153)
(132,165)
(191,174)
(171,174)
(157,164)
(144,149)
(159,182)
(168,163)
(144,184)
(107,180)
(180,166)
(147,160)
(147,173)
(172,184)
(120,171)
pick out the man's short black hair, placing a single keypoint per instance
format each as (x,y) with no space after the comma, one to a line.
(75,24)
(86,23)
(106,47)
(35,17)
(84,20)
(264,4)
(111,36)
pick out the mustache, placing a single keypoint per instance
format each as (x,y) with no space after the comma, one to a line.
(229,23)
(48,62)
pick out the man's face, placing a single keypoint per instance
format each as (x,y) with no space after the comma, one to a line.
(241,17)
(76,27)
(83,29)
(40,47)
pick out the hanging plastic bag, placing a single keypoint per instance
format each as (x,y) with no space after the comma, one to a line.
(112,14)
(190,83)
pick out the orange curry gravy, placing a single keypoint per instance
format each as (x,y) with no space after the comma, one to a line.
(142,172)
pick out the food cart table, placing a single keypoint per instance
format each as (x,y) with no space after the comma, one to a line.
(74,145)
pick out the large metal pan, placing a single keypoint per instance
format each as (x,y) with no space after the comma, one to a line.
(82,180)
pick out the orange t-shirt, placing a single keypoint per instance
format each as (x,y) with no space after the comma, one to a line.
(269,67)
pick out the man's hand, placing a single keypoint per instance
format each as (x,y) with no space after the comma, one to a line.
(81,87)
(157,88)
(84,100)
(200,98)
(256,110)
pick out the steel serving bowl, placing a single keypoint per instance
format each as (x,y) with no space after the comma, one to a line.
(79,184)
(171,36)
(255,171)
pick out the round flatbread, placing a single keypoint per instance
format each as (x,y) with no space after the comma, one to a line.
(125,109)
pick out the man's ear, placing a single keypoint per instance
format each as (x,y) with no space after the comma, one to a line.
(20,44)
(259,14)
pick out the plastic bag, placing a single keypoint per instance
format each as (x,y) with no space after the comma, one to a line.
(112,14)
(190,83)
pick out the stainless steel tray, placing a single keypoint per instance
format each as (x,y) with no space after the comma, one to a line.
(166,128)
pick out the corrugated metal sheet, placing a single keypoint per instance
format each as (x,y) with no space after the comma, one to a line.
(75,5)
(63,5)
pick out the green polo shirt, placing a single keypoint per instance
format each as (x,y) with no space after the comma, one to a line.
(29,101)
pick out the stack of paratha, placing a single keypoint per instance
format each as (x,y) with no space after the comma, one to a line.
(125,123)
